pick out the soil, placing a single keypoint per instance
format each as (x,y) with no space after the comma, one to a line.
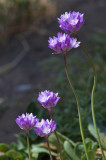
(21,84)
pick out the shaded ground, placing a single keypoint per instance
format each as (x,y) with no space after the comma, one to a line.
(21,84)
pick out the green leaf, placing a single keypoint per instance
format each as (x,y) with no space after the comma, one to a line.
(103,140)
(14,155)
(66,138)
(52,139)
(70,151)
(91,155)
(62,138)
(39,149)
(92,130)
(32,108)
(90,144)
(3,157)
(4,147)
(21,141)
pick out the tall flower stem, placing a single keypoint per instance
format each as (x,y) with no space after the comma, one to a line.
(92,94)
(58,141)
(78,105)
(49,149)
(28,145)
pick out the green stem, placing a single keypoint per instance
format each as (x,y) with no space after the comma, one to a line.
(92,95)
(58,141)
(78,105)
(28,145)
(49,149)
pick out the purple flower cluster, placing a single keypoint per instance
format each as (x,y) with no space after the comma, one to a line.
(71,22)
(45,127)
(48,99)
(26,122)
(62,43)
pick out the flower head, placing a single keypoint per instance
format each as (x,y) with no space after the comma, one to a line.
(26,122)
(48,99)
(45,127)
(62,43)
(71,22)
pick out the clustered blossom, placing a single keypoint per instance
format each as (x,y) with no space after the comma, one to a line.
(71,22)
(26,122)
(62,43)
(48,99)
(45,128)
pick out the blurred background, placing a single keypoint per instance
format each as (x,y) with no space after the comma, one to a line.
(28,67)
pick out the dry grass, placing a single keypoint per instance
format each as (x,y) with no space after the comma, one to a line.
(17,16)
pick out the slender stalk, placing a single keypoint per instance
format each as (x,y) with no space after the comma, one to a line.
(92,94)
(50,113)
(49,149)
(58,141)
(28,145)
(78,105)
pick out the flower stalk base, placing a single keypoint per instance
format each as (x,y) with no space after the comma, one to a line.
(28,145)
(49,148)
(58,141)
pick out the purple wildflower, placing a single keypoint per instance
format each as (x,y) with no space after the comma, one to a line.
(71,22)
(26,122)
(45,127)
(48,99)
(62,43)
